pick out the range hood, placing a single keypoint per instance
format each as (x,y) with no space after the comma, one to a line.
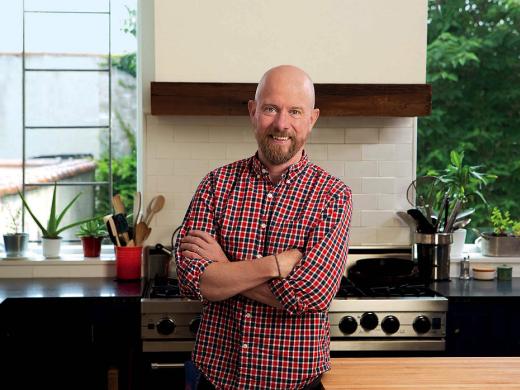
(230,99)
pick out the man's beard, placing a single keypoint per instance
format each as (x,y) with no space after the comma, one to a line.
(277,154)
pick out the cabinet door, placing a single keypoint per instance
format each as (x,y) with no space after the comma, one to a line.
(483,327)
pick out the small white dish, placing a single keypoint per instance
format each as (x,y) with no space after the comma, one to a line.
(484,273)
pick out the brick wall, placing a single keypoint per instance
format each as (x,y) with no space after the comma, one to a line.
(374,156)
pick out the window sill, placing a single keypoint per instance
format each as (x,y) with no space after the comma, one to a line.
(71,263)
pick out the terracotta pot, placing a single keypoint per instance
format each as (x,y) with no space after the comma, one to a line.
(91,246)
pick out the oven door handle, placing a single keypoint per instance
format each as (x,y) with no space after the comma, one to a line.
(163,366)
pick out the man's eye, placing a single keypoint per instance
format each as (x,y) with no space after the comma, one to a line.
(295,113)
(269,109)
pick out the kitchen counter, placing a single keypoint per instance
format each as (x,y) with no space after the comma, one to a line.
(424,373)
(472,288)
(68,288)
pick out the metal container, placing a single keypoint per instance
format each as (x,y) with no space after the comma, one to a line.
(498,246)
(16,244)
(157,263)
(432,252)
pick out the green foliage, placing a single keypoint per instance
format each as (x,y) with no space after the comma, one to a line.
(502,222)
(461,181)
(474,68)
(94,228)
(53,229)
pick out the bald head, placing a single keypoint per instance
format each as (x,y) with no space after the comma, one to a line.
(288,76)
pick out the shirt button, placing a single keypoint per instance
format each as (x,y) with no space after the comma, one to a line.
(288,181)
(248,315)
(264,170)
(258,176)
(263,226)
(244,346)
(270,196)
(258,256)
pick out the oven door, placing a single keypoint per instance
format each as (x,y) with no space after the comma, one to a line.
(164,370)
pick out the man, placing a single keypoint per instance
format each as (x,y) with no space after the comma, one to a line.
(264,245)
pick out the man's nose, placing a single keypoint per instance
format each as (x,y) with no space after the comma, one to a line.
(282,120)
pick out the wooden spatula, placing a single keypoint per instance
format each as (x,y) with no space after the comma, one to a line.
(141,233)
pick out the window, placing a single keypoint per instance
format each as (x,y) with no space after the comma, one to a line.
(474,69)
(68,108)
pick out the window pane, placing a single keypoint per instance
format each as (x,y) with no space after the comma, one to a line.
(67,142)
(67,5)
(66,41)
(66,98)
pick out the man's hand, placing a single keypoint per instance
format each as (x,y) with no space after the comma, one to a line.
(198,244)
(288,260)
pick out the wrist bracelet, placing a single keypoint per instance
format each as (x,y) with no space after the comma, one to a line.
(278,266)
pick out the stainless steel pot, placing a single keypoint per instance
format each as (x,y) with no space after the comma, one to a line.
(499,245)
(159,261)
(433,255)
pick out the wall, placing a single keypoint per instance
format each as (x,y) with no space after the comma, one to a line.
(335,41)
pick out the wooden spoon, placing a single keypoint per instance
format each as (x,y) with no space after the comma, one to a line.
(137,208)
(141,232)
(155,205)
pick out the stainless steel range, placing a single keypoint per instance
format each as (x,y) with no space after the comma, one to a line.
(401,314)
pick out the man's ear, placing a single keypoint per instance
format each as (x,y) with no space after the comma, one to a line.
(314,116)
(251,106)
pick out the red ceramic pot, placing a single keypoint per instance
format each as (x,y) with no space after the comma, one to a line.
(91,246)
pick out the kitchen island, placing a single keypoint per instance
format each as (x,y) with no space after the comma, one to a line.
(424,373)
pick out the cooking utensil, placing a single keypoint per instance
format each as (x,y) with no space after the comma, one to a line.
(423,225)
(421,194)
(142,231)
(382,271)
(137,208)
(408,219)
(112,231)
(461,224)
(120,217)
(155,205)
(448,228)
(464,214)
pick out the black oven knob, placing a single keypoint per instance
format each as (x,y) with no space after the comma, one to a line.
(166,326)
(390,324)
(369,321)
(348,325)
(422,324)
(194,325)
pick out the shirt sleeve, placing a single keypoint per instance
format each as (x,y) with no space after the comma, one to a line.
(313,283)
(200,216)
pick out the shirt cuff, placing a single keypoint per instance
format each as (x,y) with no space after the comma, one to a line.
(283,292)
(191,280)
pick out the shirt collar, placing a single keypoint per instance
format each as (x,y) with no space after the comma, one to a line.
(293,170)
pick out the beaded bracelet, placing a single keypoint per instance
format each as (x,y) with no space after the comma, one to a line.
(278,266)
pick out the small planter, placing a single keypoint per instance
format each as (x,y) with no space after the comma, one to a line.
(16,244)
(51,247)
(91,246)
(499,246)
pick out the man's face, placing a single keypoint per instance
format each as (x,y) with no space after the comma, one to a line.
(282,118)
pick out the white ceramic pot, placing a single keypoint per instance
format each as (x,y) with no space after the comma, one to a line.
(51,247)
(457,247)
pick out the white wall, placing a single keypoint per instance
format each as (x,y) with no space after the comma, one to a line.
(335,41)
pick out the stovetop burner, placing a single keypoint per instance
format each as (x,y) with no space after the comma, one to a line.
(164,288)
(350,290)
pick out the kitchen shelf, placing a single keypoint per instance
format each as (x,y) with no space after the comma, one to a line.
(230,99)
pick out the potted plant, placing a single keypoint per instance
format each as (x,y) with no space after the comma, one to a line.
(51,240)
(92,234)
(15,243)
(504,240)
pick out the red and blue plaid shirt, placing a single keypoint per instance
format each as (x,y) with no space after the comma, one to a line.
(245,344)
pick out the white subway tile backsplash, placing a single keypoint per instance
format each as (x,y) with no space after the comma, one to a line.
(362,136)
(191,134)
(371,218)
(378,185)
(365,201)
(316,151)
(396,135)
(335,168)
(327,135)
(378,152)
(361,168)
(374,156)
(344,152)
(395,168)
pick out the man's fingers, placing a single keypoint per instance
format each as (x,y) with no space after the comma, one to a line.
(202,235)
(190,255)
(194,240)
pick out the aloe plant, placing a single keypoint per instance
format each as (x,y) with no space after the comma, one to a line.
(53,229)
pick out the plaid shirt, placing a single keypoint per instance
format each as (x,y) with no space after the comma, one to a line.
(244,344)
